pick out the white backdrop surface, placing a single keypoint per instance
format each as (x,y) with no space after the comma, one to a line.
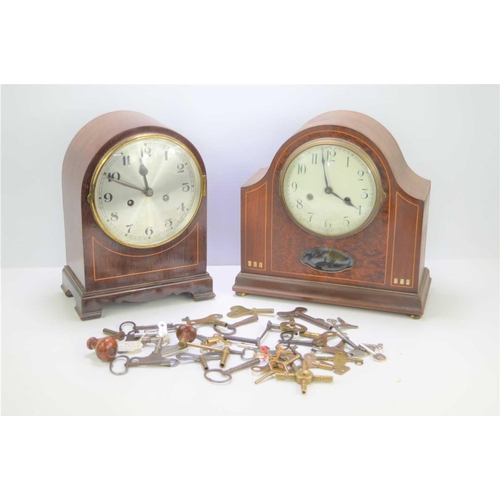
(447,133)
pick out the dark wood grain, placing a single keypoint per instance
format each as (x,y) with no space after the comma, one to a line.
(100,270)
(388,253)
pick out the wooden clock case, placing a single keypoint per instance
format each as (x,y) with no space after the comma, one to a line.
(389,273)
(99,270)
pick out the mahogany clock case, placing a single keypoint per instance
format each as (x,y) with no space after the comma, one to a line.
(388,272)
(100,270)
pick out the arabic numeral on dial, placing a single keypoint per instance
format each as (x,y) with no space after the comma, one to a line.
(301,169)
(300,205)
(114,176)
(294,187)
(149,231)
(310,216)
(328,224)
(364,194)
(114,216)
(330,155)
(129,228)
(180,168)
(145,152)
(185,187)
(314,158)
(166,155)
(169,223)
(347,222)
(108,197)
(181,207)
(126,160)
(361,173)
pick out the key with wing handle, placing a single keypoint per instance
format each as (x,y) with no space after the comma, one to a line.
(155,358)
(304,377)
(239,311)
(232,327)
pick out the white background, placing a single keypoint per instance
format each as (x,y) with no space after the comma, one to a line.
(447,133)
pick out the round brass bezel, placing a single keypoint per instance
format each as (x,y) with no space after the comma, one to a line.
(104,159)
(379,195)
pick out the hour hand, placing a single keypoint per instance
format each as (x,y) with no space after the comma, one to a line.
(144,172)
(348,201)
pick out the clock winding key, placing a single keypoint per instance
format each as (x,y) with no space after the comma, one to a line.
(238,311)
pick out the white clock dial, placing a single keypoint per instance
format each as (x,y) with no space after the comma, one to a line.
(331,188)
(146,191)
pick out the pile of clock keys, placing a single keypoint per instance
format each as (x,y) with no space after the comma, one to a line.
(299,354)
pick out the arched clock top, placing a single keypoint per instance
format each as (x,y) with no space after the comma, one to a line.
(382,139)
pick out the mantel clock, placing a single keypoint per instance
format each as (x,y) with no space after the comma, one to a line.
(338,218)
(135,214)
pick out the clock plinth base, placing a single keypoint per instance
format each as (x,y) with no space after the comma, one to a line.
(412,304)
(89,305)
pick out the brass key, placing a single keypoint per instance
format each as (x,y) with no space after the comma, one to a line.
(304,377)
(213,319)
(314,361)
(238,311)
(340,359)
(271,371)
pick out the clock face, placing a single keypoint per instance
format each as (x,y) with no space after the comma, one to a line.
(146,190)
(331,188)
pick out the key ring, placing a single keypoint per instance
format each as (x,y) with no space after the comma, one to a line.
(128,323)
(226,376)
(123,372)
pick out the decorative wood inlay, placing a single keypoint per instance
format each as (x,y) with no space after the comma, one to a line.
(152,263)
(405,242)
(255,222)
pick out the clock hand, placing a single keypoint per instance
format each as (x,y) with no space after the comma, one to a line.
(144,172)
(328,189)
(123,183)
(324,171)
(346,200)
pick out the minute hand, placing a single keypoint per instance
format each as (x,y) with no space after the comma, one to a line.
(123,183)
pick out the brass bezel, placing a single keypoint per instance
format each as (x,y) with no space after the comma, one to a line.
(379,195)
(104,159)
